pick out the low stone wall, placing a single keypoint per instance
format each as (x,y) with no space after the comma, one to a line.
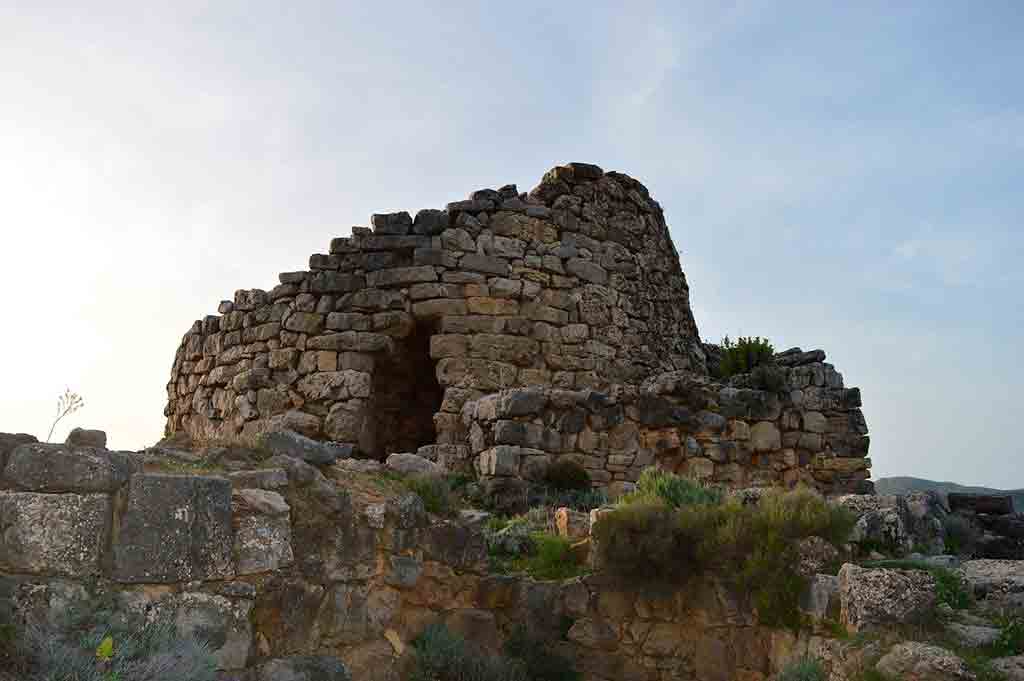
(811,430)
(292,560)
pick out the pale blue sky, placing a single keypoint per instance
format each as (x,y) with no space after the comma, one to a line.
(836,175)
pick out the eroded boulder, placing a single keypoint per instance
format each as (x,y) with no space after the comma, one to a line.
(874,597)
(914,661)
(39,467)
(53,534)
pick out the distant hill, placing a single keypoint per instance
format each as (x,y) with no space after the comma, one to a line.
(903,485)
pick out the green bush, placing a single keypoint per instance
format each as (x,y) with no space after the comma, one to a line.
(1011,638)
(436,491)
(566,474)
(741,356)
(803,669)
(754,546)
(675,491)
(550,558)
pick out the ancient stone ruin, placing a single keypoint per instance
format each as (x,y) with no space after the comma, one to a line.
(502,333)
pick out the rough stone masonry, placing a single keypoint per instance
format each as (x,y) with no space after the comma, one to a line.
(503,332)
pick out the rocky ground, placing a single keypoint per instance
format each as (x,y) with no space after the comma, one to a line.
(896,606)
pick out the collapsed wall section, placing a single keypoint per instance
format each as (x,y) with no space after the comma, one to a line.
(807,429)
(575,285)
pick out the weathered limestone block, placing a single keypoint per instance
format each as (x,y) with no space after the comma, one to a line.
(407,463)
(60,468)
(81,437)
(53,534)
(913,661)
(765,437)
(301,447)
(874,597)
(11,441)
(171,528)
(223,622)
(263,532)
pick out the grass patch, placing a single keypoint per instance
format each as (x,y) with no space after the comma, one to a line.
(672,530)
(436,491)
(674,491)
(551,558)
(803,669)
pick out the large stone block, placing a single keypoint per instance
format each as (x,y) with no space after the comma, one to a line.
(172,528)
(53,534)
(58,468)
(263,531)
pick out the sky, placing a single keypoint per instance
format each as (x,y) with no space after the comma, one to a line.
(845,176)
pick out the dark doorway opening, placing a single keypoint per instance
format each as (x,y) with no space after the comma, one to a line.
(406,395)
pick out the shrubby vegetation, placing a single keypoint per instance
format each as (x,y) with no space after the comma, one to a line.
(94,650)
(438,492)
(444,656)
(742,355)
(656,485)
(527,544)
(803,669)
(671,530)
(1011,638)
(566,474)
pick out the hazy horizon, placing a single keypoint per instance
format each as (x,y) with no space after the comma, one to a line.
(845,178)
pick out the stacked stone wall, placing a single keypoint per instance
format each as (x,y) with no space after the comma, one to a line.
(290,561)
(811,430)
(575,285)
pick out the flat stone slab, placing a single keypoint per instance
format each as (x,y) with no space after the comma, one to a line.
(173,528)
(39,467)
(301,447)
(53,534)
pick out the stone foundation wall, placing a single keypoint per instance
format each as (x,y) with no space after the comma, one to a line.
(811,430)
(292,560)
(574,285)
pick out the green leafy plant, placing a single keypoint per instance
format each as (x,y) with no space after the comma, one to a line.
(1011,638)
(549,557)
(566,474)
(803,669)
(742,355)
